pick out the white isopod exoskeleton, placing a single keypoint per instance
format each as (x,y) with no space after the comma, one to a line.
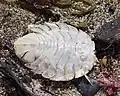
(57,51)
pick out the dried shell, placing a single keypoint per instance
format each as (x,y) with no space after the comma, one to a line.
(58,51)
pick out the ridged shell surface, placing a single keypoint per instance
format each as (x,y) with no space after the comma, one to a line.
(57,51)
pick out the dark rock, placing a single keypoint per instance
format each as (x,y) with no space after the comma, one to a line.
(109,31)
(9,76)
(111,10)
(85,88)
(107,38)
(40,8)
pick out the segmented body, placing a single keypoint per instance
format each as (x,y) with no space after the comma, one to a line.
(57,51)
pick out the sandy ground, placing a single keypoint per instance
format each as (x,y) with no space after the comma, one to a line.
(13,24)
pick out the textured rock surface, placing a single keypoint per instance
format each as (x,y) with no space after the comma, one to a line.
(57,51)
(109,31)
(13,24)
(107,38)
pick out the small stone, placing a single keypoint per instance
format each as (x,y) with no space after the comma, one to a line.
(111,10)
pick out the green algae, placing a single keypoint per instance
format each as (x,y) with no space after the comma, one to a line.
(63,3)
(80,25)
(79,7)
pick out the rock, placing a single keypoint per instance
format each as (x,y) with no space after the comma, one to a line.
(109,31)
(107,37)
(85,88)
